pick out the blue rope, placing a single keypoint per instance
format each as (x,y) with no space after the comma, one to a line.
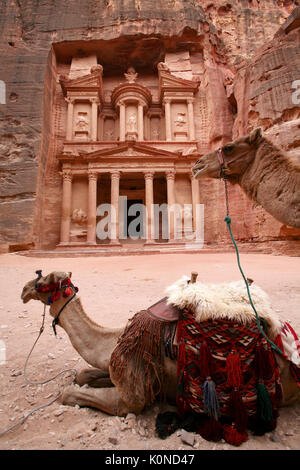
(228,223)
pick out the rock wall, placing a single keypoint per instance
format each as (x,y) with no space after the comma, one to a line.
(226,42)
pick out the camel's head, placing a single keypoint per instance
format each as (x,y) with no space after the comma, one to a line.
(236,155)
(32,289)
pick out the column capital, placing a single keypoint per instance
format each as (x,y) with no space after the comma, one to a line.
(149,175)
(70,100)
(94,100)
(167,100)
(92,175)
(67,175)
(170,174)
(190,173)
(115,175)
(190,100)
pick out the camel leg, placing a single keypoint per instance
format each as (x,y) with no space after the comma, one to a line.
(95,378)
(106,399)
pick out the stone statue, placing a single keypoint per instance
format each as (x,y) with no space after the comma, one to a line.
(180,120)
(162,66)
(131,75)
(82,122)
(79,217)
(131,123)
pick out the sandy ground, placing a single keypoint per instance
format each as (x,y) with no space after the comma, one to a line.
(112,289)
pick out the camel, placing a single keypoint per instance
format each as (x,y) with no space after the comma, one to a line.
(262,170)
(96,344)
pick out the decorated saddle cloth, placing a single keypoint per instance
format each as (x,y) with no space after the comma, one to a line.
(227,373)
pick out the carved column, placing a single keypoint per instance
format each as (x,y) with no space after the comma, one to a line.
(92,207)
(170,175)
(70,102)
(191,118)
(94,120)
(195,198)
(115,190)
(122,121)
(140,122)
(66,206)
(149,175)
(168,119)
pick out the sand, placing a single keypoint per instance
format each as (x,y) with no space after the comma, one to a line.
(112,289)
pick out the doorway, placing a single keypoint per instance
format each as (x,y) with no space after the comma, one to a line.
(134,219)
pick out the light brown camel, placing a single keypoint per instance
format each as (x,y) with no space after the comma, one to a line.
(262,170)
(95,344)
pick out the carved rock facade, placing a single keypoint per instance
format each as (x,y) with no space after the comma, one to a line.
(100,105)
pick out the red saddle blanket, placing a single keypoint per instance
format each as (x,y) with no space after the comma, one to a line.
(226,370)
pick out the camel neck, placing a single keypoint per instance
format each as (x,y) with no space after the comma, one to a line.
(272,181)
(93,342)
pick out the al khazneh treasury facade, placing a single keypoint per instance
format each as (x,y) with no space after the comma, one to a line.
(129,139)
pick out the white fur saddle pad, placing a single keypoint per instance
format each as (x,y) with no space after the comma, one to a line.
(223,301)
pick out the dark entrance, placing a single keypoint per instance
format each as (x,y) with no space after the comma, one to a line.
(134,218)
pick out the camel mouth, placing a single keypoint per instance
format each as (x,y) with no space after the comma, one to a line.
(25,299)
(200,169)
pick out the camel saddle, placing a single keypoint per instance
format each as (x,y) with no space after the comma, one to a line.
(164,312)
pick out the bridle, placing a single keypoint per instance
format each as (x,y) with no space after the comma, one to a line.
(55,289)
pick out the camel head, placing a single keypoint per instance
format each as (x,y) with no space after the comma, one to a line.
(32,289)
(237,156)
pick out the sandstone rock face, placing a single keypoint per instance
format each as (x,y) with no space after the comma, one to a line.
(246,78)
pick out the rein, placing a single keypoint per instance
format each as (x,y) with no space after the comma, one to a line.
(227,219)
(55,288)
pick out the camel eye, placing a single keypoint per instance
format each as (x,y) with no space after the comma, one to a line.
(228,148)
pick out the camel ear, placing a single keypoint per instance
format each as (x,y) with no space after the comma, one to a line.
(255,136)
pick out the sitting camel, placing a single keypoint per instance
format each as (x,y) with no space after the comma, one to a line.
(135,385)
(262,170)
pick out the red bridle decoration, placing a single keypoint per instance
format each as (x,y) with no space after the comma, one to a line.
(55,288)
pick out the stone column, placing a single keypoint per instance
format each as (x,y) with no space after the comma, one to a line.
(94,120)
(66,206)
(149,175)
(92,208)
(195,198)
(122,122)
(115,189)
(140,122)
(170,175)
(191,118)
(168,119)
(69,133)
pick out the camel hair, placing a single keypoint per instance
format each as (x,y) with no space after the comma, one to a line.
(263,171)
(95,344)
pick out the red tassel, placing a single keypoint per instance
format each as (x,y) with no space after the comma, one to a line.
(264,362)
(233,367)
(237,411)
(211,430)
(67,292)
(233,437)
(205,360)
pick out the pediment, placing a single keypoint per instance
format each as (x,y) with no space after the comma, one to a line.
(90,82)
(169,82)
(130,150)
